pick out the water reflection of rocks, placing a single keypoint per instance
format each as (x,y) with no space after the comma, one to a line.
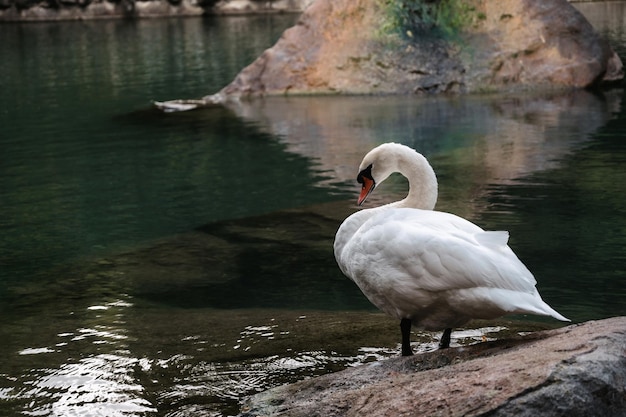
(508,137)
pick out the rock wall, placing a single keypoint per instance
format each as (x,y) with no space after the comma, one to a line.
(341,47)
(46,10)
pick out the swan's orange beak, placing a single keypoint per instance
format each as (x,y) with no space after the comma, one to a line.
(368,187)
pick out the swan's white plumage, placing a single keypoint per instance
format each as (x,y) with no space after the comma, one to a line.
(434,268)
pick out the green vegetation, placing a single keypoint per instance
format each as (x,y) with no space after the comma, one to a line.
(444,18)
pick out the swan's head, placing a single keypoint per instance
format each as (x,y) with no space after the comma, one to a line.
(384,160)
(377,166)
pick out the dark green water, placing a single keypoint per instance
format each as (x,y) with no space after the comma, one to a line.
(147,265)
(86,169)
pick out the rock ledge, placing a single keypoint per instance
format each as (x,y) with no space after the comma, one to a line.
(579,370)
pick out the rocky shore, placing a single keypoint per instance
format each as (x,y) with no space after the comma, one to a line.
(579,370)
(56,10)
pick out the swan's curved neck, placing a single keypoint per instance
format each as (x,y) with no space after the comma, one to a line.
(386,160)
(422,181)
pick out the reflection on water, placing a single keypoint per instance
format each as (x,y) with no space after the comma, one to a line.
(171,265)
(508,137)
(95,371)
(97,385)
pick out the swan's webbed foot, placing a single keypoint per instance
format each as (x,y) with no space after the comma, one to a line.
(405,328)
(444,343)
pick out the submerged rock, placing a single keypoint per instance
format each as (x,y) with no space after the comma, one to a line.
(577,370)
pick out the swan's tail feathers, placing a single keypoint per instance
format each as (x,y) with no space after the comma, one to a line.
(549,311)
(495,302)
(556,314)
(541,310)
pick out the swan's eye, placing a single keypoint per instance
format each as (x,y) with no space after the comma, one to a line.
(366,173)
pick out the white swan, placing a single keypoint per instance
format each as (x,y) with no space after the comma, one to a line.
(429,269)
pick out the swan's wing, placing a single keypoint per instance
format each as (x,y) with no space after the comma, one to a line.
(434,251)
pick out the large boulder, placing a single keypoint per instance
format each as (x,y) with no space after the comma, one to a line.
(578,370)
(360,46)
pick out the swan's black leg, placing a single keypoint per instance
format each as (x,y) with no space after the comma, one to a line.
(445,339)
(405,328)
